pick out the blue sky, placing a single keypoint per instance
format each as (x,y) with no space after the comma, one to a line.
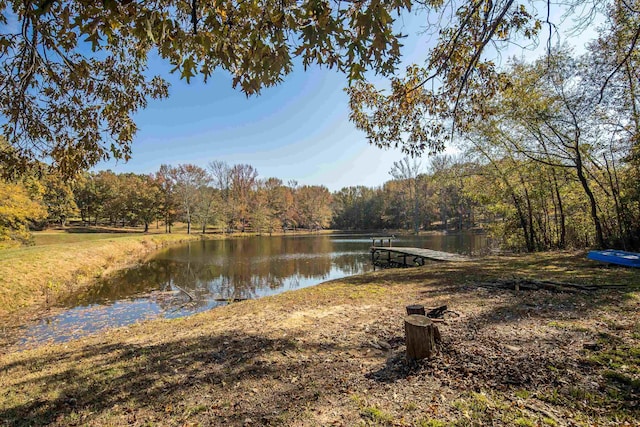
(299,130)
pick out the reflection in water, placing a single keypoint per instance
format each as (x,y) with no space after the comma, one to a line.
(201,275)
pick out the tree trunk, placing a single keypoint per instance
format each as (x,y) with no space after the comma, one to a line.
(563,228)
(522,218)
(592,200)
(532,232)
(421,336)
(617,202)
(416,217)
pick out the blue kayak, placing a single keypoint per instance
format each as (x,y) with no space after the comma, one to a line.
(612,256)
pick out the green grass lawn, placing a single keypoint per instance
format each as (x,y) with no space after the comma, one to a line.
(75,234)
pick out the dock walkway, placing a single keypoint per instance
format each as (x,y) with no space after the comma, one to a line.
(384,256)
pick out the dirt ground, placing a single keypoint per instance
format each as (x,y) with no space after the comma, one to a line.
(334,354)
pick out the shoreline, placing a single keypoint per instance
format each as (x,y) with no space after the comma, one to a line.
(77,266)
(333,354)
(59,271)
(62,272)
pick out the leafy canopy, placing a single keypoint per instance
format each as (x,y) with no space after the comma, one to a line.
(72,73)
(422,108)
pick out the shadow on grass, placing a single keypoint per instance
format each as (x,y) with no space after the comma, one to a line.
(171,381)
(215,374)
(98,229)
(544,360)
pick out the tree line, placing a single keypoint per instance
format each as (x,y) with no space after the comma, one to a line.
(225,197)
(560,154)
(231,198)
(522,203)
(551,147)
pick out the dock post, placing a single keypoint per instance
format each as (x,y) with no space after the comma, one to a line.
(373,258)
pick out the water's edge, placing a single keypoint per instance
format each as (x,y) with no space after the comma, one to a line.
(197,276)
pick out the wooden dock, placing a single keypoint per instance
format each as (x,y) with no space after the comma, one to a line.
(385,256)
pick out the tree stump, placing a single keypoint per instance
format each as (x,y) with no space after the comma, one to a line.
(415,309)
(421,336)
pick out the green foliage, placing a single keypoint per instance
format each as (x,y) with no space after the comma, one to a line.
(58,198)
(524,422)
(376,415)
(417,112)
(359,208)
(555,141)
(125,198)
(314,206)
(186,192)
(415,199)
(617,357)
(551,160)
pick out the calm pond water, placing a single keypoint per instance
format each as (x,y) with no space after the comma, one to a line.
(198,276)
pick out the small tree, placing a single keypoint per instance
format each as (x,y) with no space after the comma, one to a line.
(58,198)
(407,172)
(189,183)
(17,210)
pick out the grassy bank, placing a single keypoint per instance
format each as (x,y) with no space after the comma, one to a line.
(334,355)
(62,262)
(66,260)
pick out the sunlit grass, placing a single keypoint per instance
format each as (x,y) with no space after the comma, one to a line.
(35,274)
(44,238)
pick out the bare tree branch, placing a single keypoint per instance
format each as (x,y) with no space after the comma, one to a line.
(620,64)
